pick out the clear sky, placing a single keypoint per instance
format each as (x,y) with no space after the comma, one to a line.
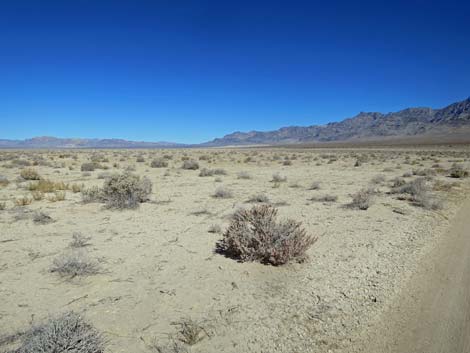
(189,71)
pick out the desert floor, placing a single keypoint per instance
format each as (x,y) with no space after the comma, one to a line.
(158,263)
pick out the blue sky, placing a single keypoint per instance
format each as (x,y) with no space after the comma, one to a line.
(189,71)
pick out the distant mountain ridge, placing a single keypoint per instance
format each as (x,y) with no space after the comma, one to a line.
(55,142)
(411,122)
(453,120)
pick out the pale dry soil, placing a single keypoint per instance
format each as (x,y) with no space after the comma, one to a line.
(159,264)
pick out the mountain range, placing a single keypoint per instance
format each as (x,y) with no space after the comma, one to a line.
(409,124)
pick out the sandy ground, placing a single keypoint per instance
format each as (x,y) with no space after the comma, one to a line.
(159,265)
(432,313)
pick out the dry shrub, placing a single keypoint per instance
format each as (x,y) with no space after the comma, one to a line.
(79,241)
(315,186)
(126,190)
(42,218)
(3,206)
(159,163)
(259,198)
(30,174)
(215,228)
(3,181)
(74,264)
(378,179)
(419,194)
(92,194)
(222,193)
(90,166)
(277,178)
(243,175)
(58,196)
(210,172)
(190,164)
(68,332)
(458,171)
(37,195)
(362,200)
(256,235)
(325,198)
(76,188)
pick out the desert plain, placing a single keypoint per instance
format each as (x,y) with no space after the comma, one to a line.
(159,283)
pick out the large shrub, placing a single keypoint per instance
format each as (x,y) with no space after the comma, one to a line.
(256,235)
(126,190)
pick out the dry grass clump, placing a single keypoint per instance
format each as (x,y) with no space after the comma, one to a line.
(362,200)
(190,164)
(68,332)
(3,206)
(222,193)
(458,171)
(23,201)
(75,264)
(256,235)
(57,196)
(126,190)
(190,332)
(30,174)
(45,185)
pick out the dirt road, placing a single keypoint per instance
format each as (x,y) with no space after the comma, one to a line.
(433,312)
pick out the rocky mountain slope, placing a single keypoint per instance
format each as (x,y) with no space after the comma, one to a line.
(409,122)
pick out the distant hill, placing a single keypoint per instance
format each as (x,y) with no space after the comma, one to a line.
(408,123)
(412,124)
(54,142)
